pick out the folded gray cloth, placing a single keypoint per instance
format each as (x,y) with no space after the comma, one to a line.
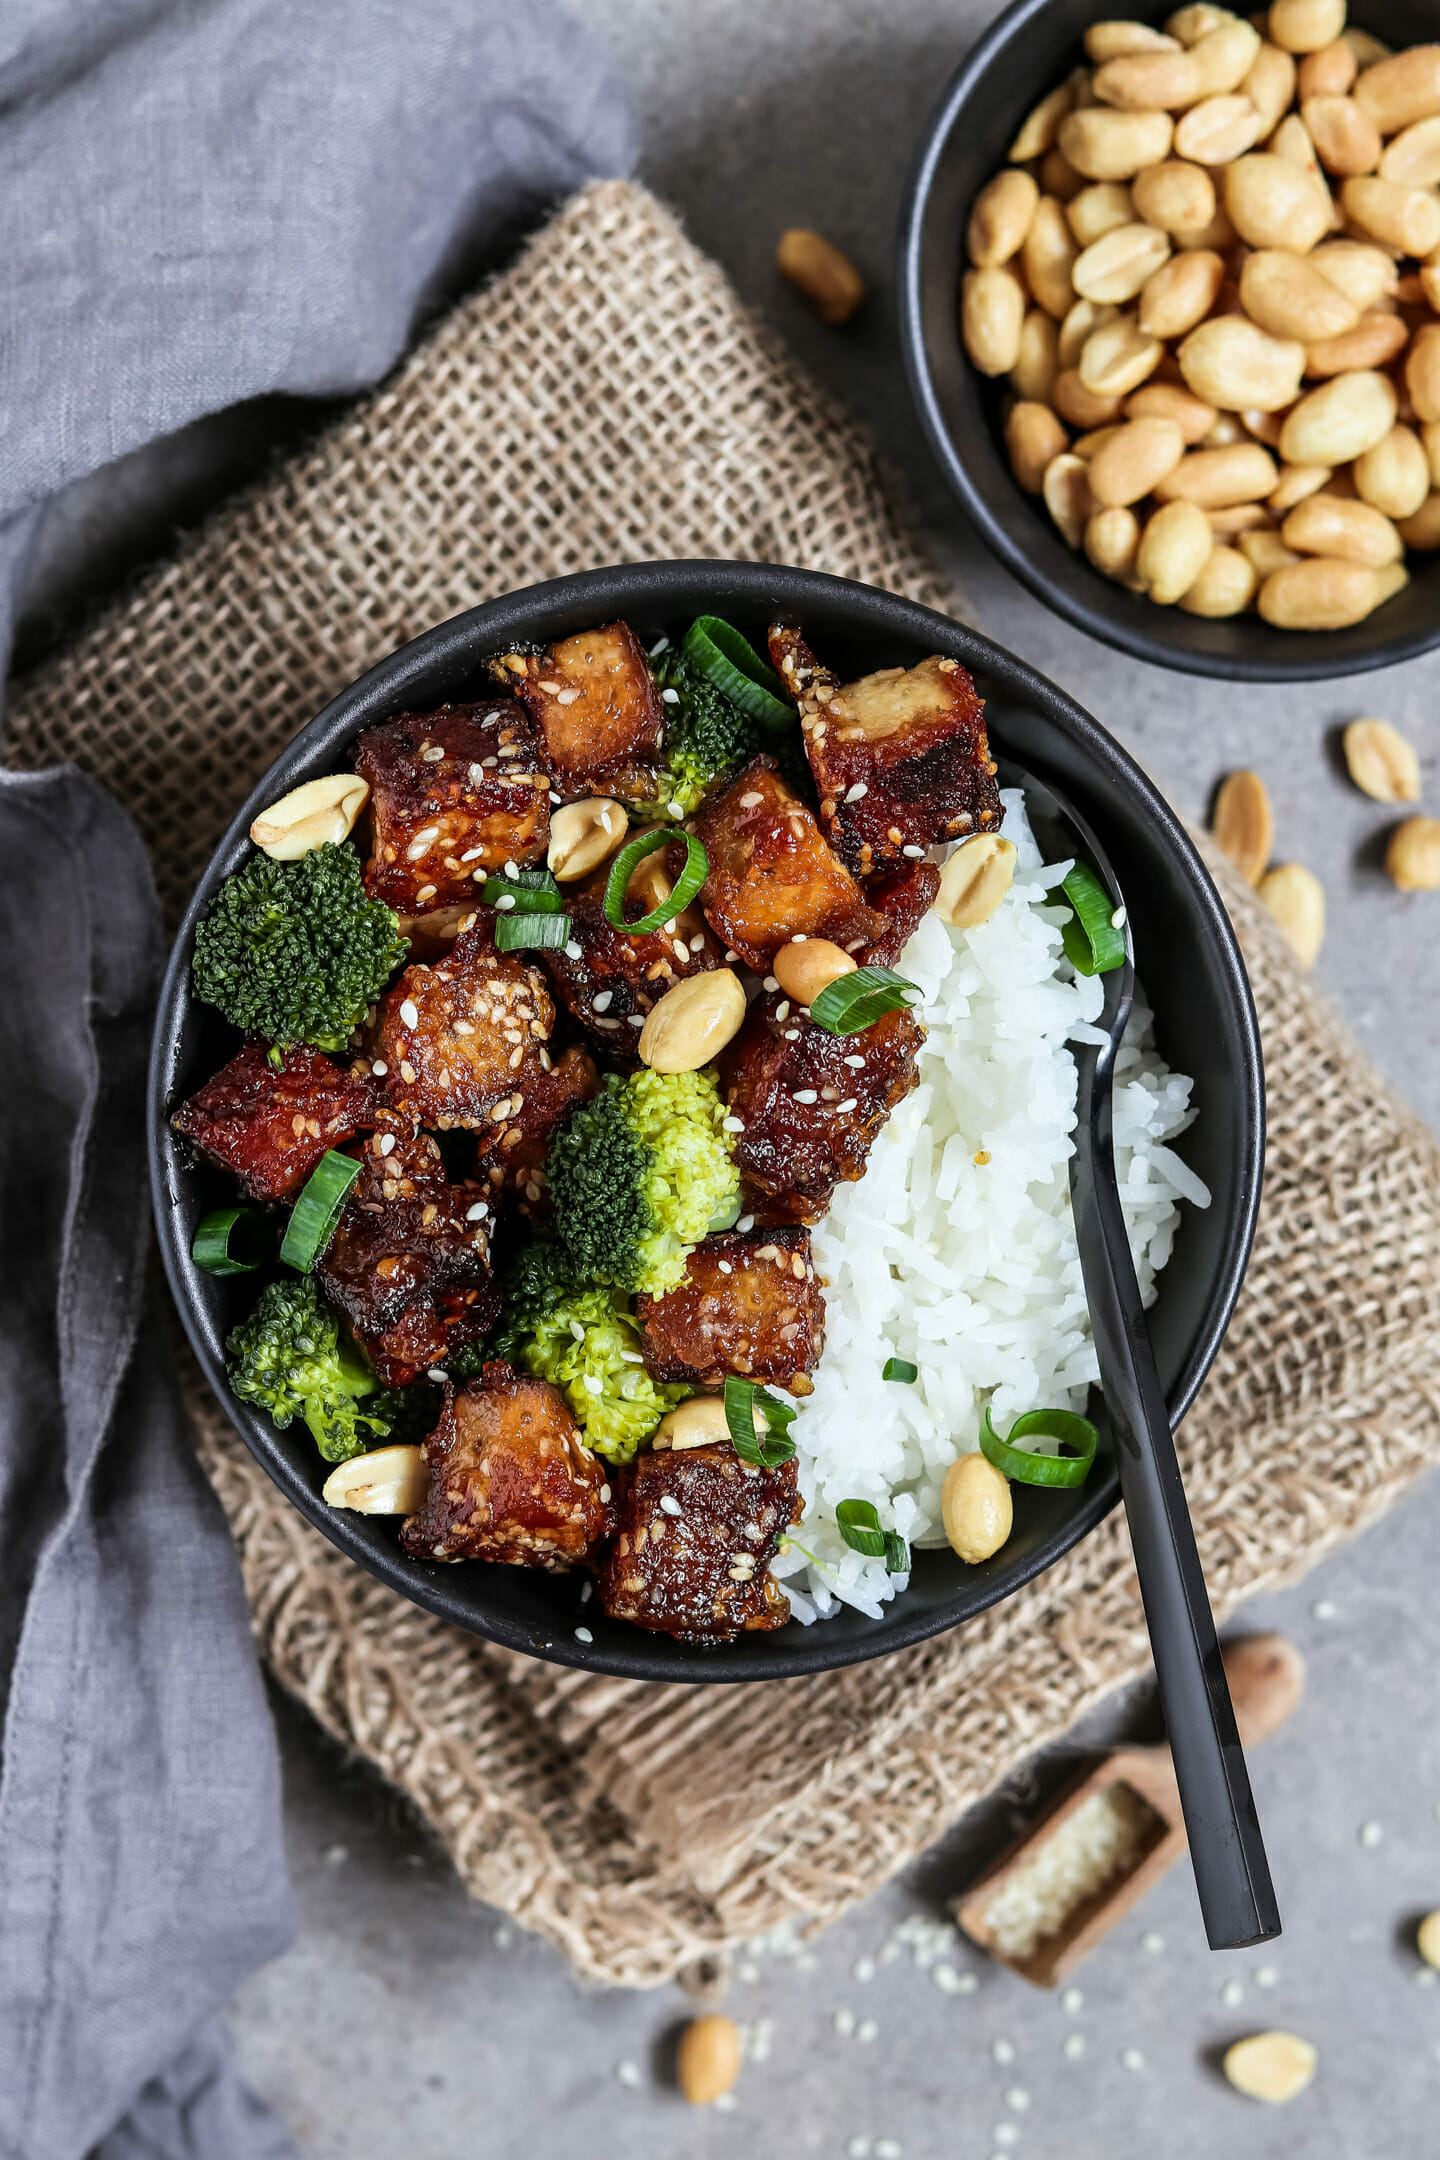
(204,200)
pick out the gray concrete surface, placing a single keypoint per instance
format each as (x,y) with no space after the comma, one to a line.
(407,2020)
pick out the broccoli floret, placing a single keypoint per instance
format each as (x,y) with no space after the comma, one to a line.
(707,737)
(588,1345)
(288,1358)
(297,951)
(409,1414)
(637,1177)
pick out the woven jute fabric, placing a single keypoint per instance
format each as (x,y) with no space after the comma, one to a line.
(606,399)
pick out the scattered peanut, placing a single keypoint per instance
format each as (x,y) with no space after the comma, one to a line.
(992,319)
(1174,548)
(1135,461)
(692,1022)
(818,269)
(1274,2066)
(707,2062)
(1413,855)
(1001,219)
(1033,437)
(804,970)
(1225,586)
(1427,1938)
(1320,594)
(1244,824)
(975,880)
(1382,764)
(387,1481)
(582,835)
(976,1508)
(1296,899)
(311,814)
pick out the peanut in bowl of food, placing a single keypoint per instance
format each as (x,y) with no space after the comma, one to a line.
(1195,406)
(611,1110)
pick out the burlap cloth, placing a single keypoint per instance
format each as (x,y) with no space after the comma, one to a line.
(608,399)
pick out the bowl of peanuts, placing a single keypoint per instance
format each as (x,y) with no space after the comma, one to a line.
(1170,295)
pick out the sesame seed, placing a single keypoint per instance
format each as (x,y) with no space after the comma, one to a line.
(844,2023)
(888,2149)
(1370,1835)
(1119,919)
(1131,2059)
(506,900)
(1003,2051)
(433,755)
(799,938)
(697,944)
(748,802)
(407,1072)
(379,1068)
(1072,2002)
(746,1222)
(1324,1609)
(567,697)
(1073,2046)
(555,796)
(770,983)
(912,850)
(1268,1976)
(670,1504)
(635,1020)
(841,1109)
(387,1142)
(604,1496)
(792,1034)
(591,1385)
(602,1003)
(725,1267)
(1152,1943)
(409,1013)
(856,1064)
(583,1634)
(806,1095)
(671,697)
(676,810)
(1018,2099)
(573,951)
(577,1331)
(477,1213)
(472,854)
(1232,1994)
(551,689)
(732,1124)
(1005,2133)
(859,790)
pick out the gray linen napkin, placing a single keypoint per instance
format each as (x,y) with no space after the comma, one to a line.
(204,200)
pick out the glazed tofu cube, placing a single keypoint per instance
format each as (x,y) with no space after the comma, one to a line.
(749,1304)
(510,1479)
(609,979)
(594,701)
(810,1104)
(454,795)
(408,1265)
(699,1569)
(513,1152)
(772,875)
(271,1124)
(901,758)
(453,1042)
(902,898)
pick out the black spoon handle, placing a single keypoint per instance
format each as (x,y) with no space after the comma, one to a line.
(1232,1875)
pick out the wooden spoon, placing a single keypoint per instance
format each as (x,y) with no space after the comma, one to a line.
(1134,1813)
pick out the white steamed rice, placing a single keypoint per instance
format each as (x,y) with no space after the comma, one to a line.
(969,1269)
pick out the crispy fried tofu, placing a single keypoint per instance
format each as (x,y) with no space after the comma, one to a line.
(408,1265)
(513,1152)
(902,898)
(453,1042)
(749,1304)
(609,979)
(772,875)
(810,1104)
(271,1124)
(594,701)
(454,795)
(510,1479)
(699,1569)
(901,758)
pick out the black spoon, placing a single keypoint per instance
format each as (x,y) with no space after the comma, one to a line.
(1232,1874)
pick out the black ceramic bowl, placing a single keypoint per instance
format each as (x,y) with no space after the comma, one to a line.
(1027,52)
(1186,954)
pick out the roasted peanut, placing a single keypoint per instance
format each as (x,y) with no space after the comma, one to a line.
(1373,343)
(1365,274)
(1168,401)
(1115,267)
(310,815)
(1037,364)
(1238,519)
(1181,294)
(1058,177)
(1422,531)
(1109,40)
(1067,496)
(1303,26)
(975,880)
(1190,24)
(1406,218)
(1365,48)
(1243,473)
(1224,57)
(707,2061)
(1000,219)
(1266,550)
(806,968)
(1098,210)
(1394,476)
(1398,91)
(1118,357)
(1235,366)
(1263,427)
(1218,130)
(1320,594)
(582,835)
(1427,1939)
(1328,72)
(1352,531)
(1033,437)
(1083,408)
(1412,857)
(1430,441)
(1422,373)
(387,1481)
(1225,586)
(1413,158)
(1037,135)
(1086,446)
(1080,320)
(1048,257)
(1107,145)
(1134,461)
(1144,82)
(1270,86)
(1273,204)
(698,1422)
(1380,761)
(1273,2066)
(1341,420)
(1176,197)
(1296,899)
(817,268)
(976,1508)
(1287,296)
(1174,548)
(1429,276)
(693,1022)
(1112,541)
(1346,141)
(1244,824)
(992,317)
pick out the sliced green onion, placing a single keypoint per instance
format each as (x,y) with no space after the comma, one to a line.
(316,1212)
(689,882)
(860,1527)
(231,1241)
(857,1000)
(897,1554)
(742,1401)
(524,932)
(1094,941)
(532,892)
(899,1368)
(1077,1434)
(718,652)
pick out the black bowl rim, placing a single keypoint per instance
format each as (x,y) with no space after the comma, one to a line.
(671,588)
(1316,657)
